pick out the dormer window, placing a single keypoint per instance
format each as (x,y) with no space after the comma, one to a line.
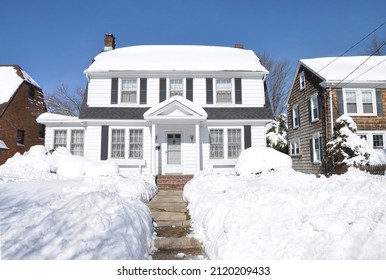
(129,91)
(224,90)
(302,81)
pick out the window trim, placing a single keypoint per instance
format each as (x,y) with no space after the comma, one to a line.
(129,143)
(137,93)
(54,145)
(225,143)
(302,81)
(359,101)
(296,144)
(232,91)
(312,98)
(168,86)
(316,153)
(126,143)
(383,141)
(295,115)
(368,136)
(72,144)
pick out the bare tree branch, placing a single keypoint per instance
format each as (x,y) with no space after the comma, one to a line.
(376,46)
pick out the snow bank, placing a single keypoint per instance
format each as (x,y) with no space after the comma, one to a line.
(289,215)
(85,217)
(258,159)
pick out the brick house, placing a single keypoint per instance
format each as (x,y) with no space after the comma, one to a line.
(21,102)
(324,89)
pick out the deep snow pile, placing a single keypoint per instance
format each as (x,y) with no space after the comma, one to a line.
(254,160)
(85,217)
(285,214)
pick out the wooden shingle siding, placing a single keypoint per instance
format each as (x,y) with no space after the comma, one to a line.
(307,129)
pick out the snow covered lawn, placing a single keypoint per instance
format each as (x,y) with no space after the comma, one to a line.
(50,216)
(284,214)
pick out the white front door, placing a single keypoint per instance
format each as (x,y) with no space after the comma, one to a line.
(173,152)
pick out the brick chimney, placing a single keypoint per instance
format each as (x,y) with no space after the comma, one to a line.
(239,46)
(109,42)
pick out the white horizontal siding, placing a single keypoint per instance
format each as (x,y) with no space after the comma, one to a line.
(258,136)
(253,92)
(99,92)
(189,151)
(152,92)
(199,91)
(147,149)
(49,138)
(92,146)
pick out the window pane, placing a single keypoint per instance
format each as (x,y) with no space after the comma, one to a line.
(216,143)
(224,90)
(176,87)
(351,101)
(314,107)
(60,138)
(136,143)
(234,143)
(367,102)
(118,143)
(378,141)
(316,149)
(77,142)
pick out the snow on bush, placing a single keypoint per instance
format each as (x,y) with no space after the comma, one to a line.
(255,160)
(276,134)
(349,148)
(87,217)
(289,215)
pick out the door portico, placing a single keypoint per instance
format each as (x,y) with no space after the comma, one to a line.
(176,138)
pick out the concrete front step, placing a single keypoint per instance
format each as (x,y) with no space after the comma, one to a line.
(169,216)
(177,243)
(184,223)
(165,207)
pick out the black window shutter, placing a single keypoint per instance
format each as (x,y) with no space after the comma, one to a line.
(189,89)
(298,113)
(238,91)
(321,148)
(309,110)
(143,91)
(162,89)
(114,91)
(105,142)
(247,136)
(339,95)
(320,106)
(209,91)
(378,96)
(311,150)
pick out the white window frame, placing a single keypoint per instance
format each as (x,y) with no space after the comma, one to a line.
(302,80)
(80,145)
(57,145)
(226,143)
(295,114)
(120,82)
(111,143)
(383,141)
(369,137)
(359,101)
(139,144)
(218,143)
(183,86)
(316,153)
(232,101)
(294,147)
(127,152)
(234,146)
(314,101)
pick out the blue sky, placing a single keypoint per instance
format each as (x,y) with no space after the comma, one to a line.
(54,41)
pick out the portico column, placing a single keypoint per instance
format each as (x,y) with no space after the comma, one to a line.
(198,143)
(153,136)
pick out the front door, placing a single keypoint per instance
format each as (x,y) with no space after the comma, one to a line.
(173,152)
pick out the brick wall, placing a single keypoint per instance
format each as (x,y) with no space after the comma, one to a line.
(21,114)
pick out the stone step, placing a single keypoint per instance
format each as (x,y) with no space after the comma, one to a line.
(173,223)
(166,207)
(177,243)
(169,216)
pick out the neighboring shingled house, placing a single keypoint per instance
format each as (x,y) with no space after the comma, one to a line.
(167,109)
(21,102)
(324,89)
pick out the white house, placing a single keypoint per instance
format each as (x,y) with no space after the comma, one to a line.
(167,109)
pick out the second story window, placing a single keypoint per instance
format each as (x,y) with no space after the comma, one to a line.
(20,137)
(176,87)
(359,102)
(129,91)
(224,90)
(314,108)
(295,116)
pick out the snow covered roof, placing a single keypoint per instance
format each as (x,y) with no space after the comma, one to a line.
(176,58)
(46,118)
(10,80)
(351,69)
